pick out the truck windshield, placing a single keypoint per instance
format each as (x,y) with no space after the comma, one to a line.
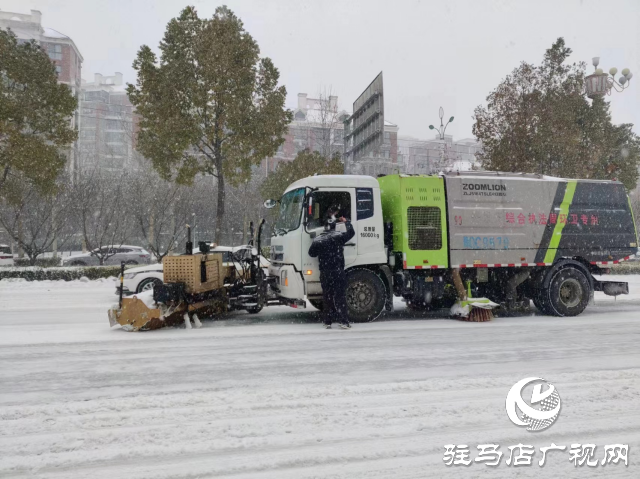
(290,211)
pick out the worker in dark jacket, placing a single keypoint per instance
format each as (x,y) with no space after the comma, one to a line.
(328,248)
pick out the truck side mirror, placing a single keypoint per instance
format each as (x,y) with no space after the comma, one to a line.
(308,211)
(268,204)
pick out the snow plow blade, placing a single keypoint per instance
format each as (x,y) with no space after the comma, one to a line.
(136,316)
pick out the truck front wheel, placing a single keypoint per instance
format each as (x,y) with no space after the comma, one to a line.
(569,292)
(366,295)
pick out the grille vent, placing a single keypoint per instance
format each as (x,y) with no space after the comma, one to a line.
(425,229)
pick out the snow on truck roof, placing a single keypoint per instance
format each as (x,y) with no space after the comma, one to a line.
(493,175)
(363,181)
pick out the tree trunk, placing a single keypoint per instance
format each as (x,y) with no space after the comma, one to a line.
(172,246)
(55,236)
(220,209)
(151,235)
(20,239)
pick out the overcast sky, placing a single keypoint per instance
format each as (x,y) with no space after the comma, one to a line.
(433,53)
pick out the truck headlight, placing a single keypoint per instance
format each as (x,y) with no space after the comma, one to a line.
(129,275)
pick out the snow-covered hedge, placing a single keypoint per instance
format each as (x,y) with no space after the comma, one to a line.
(36,273)
(43,262)
(626,268)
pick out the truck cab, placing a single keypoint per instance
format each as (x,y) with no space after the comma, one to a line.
(301,217)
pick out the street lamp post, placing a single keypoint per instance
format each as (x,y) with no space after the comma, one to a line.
(442,128)
(441,132)
(599,83)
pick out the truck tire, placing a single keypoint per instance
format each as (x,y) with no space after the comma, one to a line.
(317,303)
(568,293)
(537,302)
(540,293)
(366,295)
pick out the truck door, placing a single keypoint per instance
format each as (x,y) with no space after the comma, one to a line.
(344,199)
(369,229)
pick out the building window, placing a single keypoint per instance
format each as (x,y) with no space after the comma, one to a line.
(102,96)
(88,121)
(54,51)
(113,125)
(300,116)
(58,70)
(114,137)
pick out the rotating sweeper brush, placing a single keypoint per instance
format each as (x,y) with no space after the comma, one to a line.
(467,308)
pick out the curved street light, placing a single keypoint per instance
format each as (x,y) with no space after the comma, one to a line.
(442,128)
(599,83)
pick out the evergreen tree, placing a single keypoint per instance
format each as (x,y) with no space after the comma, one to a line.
(539,121)
(306,163)
(210,105)
(35,113)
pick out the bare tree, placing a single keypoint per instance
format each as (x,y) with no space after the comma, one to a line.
(101,212)
(35,221)
(160,210)
(245,206)
(328,132)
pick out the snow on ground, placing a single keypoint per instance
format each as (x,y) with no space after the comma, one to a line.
(277,396)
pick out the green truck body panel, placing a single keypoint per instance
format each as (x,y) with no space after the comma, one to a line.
(417,208)
(487,219)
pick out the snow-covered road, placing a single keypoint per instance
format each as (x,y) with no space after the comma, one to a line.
(277,396)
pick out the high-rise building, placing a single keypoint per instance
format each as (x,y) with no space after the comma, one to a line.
(318,125)
(107,126)
(61,49)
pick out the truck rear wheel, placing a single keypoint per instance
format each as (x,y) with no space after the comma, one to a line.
(568,293)
(537,302)
(366,295)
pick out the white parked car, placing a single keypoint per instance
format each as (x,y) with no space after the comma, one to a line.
(128,254)
(144,278)
(6,258)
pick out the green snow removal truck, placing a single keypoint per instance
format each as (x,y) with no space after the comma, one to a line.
(509,237)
